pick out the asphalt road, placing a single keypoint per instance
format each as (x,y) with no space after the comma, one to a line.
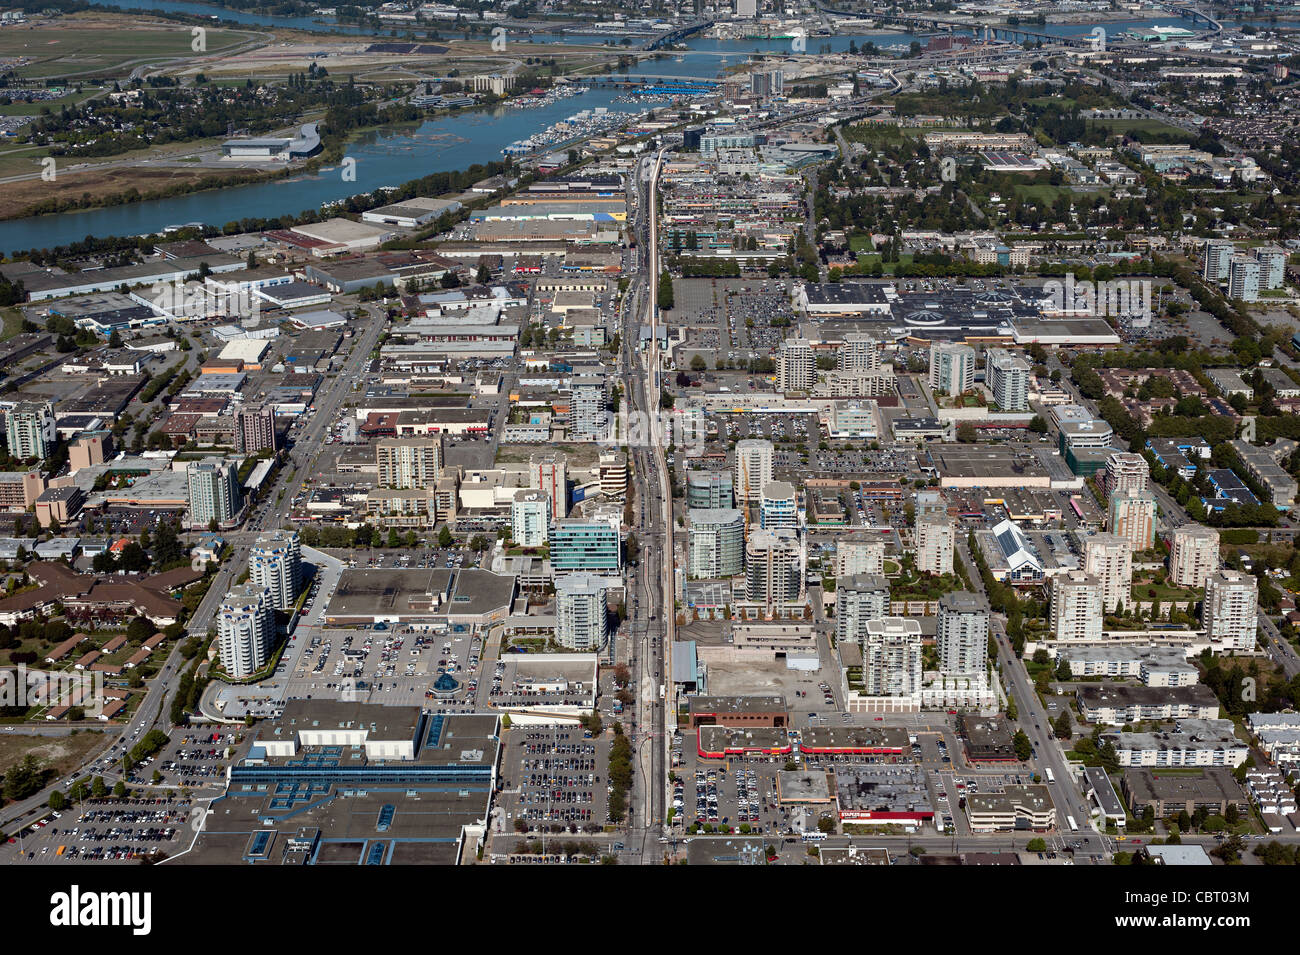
(1034,721)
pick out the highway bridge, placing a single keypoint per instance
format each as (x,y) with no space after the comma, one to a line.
(1196,16)
(675,35)
(646,79)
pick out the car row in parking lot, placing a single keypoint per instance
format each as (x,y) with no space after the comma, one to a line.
(559,780)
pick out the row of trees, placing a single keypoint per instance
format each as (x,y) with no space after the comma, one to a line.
(620,773)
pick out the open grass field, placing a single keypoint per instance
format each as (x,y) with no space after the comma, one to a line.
(1046,193)
(103,45)
(1142,125)
(62,753)
(12,323)
(34,109)
(867,259)
(21,161)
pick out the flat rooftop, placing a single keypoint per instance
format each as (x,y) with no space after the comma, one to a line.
(737,704)
(389,594)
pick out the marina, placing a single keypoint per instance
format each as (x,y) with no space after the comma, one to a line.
(589,122)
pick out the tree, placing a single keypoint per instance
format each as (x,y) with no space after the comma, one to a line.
(665,290)
(444,537)
(23,779)
(57,801)
(1062,727)
(966,432)
(1036,845)
(1037,424)
(698,363)
(1024,748)
(133,559)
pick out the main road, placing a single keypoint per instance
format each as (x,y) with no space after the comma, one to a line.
(1034,721)
(650,623)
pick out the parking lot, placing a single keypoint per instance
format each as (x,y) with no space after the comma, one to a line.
(105,830)
(740,794)
(555,778)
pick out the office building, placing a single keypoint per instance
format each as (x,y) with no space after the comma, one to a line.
(1230,610)
(549,472)
(891,657)
(586,545)
(1008,378)
(962,633)
(706,489)
(796,368)
(860,556)
(935,539)
(275,565)
(858,353)
(858,599)
(715,542)
(408,462)
(1133,516)
(774,566)
(582,611)
(245,630)
(753,469)
(255,430)
(612,471)
(214,493)
(952,367)
(777,507)
(30,430)
(1125,472)
(588,420)
(1193,555)
(530,517)
(1218,255)
(1243,278)
(1109,558)
(1076,606)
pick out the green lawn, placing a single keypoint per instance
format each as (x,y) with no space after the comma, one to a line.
(103,46)
(871,134)
(1164,592)
(13,323)
(867,259)
(34,109)
(1043,193)
(22,162)
(1144,125)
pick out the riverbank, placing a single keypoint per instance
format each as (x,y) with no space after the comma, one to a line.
(113,186)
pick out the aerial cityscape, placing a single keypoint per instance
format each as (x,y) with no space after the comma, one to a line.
(706,432)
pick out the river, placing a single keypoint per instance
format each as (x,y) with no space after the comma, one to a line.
(391,157)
